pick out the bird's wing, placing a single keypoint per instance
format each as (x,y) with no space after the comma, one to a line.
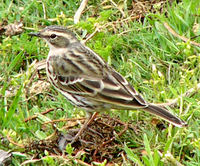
(82,72)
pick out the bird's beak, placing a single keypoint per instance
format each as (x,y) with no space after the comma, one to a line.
(37,34)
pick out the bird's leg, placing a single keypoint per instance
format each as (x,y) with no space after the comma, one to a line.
(89,119)
(68,138)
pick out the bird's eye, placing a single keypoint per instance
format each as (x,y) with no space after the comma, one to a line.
(53,36)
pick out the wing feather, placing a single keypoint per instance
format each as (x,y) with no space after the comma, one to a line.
(82,72)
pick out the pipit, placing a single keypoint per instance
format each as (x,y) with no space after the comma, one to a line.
(88,82)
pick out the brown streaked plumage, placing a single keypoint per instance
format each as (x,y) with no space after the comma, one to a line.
(87,81)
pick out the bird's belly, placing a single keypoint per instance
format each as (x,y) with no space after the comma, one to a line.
(85,103)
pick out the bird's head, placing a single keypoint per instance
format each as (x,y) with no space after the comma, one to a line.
(56,36)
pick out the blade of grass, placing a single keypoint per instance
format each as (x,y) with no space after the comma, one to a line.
(28,7)
(133,157)
(156,157)
(12,108)
(15,61)
(168,145)
(148,149)
(3,102)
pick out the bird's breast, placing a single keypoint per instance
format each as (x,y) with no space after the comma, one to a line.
(50,71)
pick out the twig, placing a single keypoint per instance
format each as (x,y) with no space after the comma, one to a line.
(35,116)
(132,17)
(187,93)
(44,10)
(105,124)
(14,143)
(179,36)
(55,133)
(123,14)
(81,162)
(79,11)
(122,123)
(61,120)
(118,135)
(98,27)
(91,35)
(113,138)
(195,36)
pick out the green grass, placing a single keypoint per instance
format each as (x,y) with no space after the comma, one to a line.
(158,64)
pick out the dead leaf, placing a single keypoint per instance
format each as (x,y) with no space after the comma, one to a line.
(5,157)
(13,29)
(2,26)
(196,28)
(144,152)
(155,121)
(40,65)
(39,87)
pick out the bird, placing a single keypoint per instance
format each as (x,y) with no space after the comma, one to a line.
(88,82)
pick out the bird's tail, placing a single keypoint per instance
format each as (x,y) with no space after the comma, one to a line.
(166,115)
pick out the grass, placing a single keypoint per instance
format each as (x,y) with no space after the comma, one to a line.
(158,64)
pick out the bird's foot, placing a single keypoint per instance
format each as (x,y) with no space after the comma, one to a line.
(74,134)
(73,139)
